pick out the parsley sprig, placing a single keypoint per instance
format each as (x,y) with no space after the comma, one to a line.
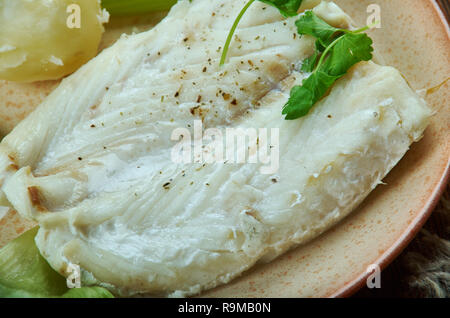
(336,51)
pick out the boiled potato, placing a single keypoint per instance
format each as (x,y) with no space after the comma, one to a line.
(48,39)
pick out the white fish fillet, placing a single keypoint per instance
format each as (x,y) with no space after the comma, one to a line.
(93,163)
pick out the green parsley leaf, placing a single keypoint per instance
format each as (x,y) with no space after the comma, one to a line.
(311,24)
(288,8)
(341,50)
(349,50)
(305,96)
(320,47)
(310,63)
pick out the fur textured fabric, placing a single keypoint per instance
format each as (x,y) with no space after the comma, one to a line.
(428,260)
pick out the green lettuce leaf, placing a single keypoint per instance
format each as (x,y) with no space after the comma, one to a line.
(88,292)
(24,273)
